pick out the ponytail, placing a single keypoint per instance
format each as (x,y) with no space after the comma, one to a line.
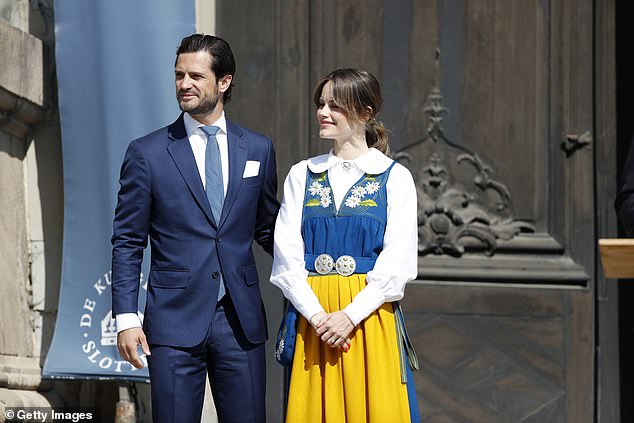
(376,136)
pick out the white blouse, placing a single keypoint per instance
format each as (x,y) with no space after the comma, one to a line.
(396,265)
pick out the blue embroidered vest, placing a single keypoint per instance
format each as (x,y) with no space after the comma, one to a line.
(357,229)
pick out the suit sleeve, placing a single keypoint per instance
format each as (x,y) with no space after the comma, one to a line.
(130,230)
(268,204)
(624,203)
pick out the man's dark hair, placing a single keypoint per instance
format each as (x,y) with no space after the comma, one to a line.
(222,62)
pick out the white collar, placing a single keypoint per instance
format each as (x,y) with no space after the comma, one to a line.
(373,162)
(192,124)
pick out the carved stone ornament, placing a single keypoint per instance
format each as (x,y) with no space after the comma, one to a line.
(466,203)
(466,227)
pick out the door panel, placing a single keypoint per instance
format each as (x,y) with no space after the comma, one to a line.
(490,106)
(490,354)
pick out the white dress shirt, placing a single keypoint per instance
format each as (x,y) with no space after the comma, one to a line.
(198,142)
(396,265)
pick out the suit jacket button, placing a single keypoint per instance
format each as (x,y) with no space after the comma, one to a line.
(215,275)
(219,239)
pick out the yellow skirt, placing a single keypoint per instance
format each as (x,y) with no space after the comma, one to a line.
(362,385)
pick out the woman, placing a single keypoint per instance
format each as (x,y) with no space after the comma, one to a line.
(345,246)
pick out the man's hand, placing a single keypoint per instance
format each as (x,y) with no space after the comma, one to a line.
(335,329)
(128,341)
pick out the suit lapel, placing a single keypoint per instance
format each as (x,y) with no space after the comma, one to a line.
(183,156)
(237,161)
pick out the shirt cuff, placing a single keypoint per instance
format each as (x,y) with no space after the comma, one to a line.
(364,303)
(305,300)
(127,321)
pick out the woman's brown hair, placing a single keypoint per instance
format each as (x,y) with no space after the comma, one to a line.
(358,94)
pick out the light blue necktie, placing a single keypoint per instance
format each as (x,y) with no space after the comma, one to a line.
(213,173)
(213,181)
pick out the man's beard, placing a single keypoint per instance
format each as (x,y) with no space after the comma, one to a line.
(205,106)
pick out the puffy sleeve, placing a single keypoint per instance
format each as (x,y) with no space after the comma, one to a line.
(289,269)
(397,264)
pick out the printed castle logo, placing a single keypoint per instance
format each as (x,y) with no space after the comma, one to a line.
(100,341)
(108,330)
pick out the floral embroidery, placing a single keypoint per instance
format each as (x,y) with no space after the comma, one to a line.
(326,200)
(320,195)
(316,189)
(352,201)
(372,187)
(358,192)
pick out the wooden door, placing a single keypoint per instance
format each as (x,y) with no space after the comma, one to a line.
(490,104)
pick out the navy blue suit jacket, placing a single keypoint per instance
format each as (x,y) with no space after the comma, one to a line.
(162,199)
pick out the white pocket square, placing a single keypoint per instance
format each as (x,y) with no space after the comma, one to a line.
(251,169)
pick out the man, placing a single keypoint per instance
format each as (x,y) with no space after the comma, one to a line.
(202,189)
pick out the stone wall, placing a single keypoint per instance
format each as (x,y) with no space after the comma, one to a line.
(22,106)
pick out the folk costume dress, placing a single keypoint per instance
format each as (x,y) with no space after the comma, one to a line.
(346,239)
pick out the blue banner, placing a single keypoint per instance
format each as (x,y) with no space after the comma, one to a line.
(115,71)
